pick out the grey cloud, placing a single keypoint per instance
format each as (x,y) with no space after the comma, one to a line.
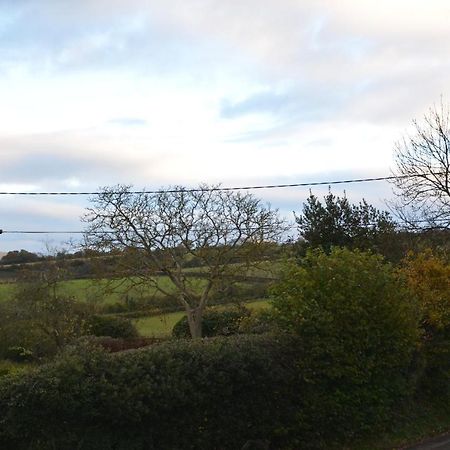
(54,159)
(94,35)
(289,110)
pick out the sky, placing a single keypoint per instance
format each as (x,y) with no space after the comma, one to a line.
(180,92)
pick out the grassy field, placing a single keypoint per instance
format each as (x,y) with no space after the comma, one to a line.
(161,325)
(108,292)
(99,291)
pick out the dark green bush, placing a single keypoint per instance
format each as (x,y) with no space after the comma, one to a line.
(116,327)
(215,393)
(24,333)
(359,331)
(19,354)
(214,323)
(259,322)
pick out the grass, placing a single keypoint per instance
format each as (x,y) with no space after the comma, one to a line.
(161,325)
(104,292)
(109,292)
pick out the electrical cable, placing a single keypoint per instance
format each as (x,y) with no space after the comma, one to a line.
(218,188)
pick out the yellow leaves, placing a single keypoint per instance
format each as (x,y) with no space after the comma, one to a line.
(428,277)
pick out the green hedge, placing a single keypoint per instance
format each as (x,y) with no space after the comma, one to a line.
(115,327)
(205,394)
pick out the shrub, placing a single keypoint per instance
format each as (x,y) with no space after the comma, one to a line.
(187,394)
(11,368)
(19,354)
(120,344)
(258,322)
(358,328)
(115,327)
(428,278)
(214,323)
(17,332)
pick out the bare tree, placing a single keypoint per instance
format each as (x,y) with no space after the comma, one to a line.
(160,233)
(423,170)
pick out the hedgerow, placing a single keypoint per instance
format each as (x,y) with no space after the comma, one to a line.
(203,394)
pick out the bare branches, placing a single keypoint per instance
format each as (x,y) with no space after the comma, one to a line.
(164,230)
(423,164)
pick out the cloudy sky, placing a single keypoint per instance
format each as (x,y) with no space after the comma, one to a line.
(156,93)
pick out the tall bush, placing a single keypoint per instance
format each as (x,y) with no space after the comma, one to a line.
(428,277)
(358,328)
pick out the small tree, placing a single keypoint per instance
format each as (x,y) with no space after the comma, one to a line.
(423,168)
(338,223)
(160,233)
(40,303)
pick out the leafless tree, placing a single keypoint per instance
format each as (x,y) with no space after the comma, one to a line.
(159,233)
(423,169)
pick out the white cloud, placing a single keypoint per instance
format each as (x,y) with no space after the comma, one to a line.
(96,92)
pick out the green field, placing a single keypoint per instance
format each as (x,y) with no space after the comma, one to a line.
(161,325)
(102,291)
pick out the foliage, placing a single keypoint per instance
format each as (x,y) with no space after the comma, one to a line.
(39,318)
(12,368)
(259,322)
(428,277)
(112,326)
(358,327)
(339,223)
(59,317)
(19,354)
(214,323)
(216,393)
(19,257)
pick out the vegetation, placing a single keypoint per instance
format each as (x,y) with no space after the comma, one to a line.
(115,327)
(338,223)
(214,323)
(359,331)
(423,170)
(428,278)
(350,351)
(160,233)
(216,393)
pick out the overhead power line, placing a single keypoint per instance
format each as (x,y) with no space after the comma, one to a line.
(218,188)
(291,227)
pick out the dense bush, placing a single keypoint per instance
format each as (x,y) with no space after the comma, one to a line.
(359,330)
(259,322)
(202,394)
(214,323)
(428,278)
(18,332)
(19,354)
(115,327)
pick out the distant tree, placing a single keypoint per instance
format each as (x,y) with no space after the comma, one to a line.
(423,168)
(226,232)
(338,223)
(19,257)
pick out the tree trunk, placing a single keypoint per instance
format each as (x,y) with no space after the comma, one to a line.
(194,316)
